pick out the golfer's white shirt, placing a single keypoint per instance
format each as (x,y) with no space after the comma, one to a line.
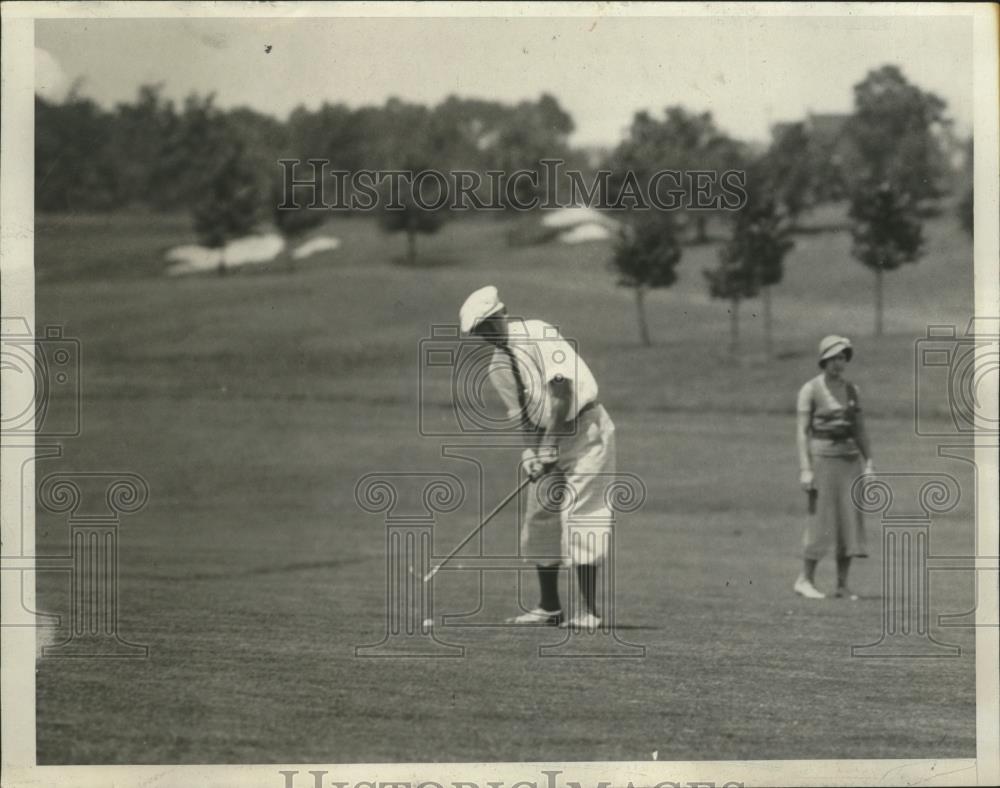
(543,356)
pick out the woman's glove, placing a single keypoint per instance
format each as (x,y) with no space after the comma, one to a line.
(806,479)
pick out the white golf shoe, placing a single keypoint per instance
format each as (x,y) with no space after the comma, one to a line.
(538,617)
(584,621)
(804,588)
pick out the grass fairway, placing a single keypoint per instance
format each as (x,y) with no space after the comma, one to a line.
(253,403)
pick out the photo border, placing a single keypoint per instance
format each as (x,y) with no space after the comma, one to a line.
(17,645)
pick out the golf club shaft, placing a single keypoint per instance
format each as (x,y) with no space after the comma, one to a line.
(496,510)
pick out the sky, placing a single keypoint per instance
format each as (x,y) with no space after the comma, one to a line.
(749,72)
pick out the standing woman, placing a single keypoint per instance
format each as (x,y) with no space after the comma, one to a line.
(832,440)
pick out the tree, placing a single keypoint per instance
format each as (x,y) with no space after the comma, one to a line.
(229,205)
(531,131)
(681,141)
(144,151)
(752,260)
(412,219)
(265,141)
(138,132)
(646,256)
(759,242)
(886,233)
(75,165)
(468,131)
(790,165)
(192,146)
(293,223)
(330,132)
(734,279)
(410,215)
(896,132)
(153,151)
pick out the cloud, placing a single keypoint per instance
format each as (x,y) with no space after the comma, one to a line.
(50,79)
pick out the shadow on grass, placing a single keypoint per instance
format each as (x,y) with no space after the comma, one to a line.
(426,261)
(636,627)
(301,566)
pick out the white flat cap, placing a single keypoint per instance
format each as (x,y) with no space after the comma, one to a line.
(477,307)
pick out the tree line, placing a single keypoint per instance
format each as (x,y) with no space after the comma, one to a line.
(890,163)
(892,167)
(222,165)
(156,153)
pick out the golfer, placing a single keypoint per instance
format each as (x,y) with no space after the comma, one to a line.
(832,440)
(552,394)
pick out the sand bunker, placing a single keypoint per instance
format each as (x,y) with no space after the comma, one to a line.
(251,250)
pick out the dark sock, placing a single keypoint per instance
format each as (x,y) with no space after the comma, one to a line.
(809,570)
(586,575)
(843,567)
(548,581)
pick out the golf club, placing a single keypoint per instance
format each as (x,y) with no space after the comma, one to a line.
(496,510)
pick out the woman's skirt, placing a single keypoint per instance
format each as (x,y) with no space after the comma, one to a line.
(837,521)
